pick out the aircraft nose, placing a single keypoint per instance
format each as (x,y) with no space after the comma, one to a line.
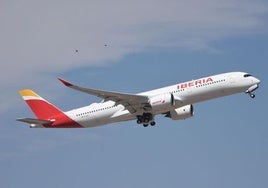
(256,80)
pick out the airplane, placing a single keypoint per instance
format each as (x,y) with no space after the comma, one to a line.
(175,102)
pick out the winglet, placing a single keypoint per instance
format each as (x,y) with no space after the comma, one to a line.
(66,83)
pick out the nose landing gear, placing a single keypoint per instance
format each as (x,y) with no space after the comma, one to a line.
(252,95)
(251,89)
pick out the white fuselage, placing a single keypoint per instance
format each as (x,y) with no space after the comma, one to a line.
(184,94)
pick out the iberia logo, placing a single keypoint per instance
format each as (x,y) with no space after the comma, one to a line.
(194,83)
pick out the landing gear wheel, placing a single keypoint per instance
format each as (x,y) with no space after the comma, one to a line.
(145,125)
(152,123)
(252,95)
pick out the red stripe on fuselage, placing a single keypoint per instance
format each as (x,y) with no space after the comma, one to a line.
(63,121)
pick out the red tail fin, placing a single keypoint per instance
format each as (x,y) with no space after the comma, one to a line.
(40,107)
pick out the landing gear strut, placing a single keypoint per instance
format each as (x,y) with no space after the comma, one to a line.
(146,119)
(251,89)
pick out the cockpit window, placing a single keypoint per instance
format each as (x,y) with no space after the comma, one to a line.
(247,75)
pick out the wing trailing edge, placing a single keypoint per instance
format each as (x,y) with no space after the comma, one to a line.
(132,102)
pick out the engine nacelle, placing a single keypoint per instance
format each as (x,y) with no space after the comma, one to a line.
(181,113)
(162,102)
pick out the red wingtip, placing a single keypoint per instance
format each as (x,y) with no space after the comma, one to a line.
(68,84)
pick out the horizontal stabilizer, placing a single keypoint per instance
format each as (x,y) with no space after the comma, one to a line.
(35,121)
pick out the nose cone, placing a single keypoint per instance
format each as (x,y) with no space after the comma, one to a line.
(256,80)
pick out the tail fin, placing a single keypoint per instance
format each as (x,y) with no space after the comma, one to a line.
(40,107)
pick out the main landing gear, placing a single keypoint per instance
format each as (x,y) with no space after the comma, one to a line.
(146,119)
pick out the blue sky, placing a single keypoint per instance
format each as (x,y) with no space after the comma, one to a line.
(223,145)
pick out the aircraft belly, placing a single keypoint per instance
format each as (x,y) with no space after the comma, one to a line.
(93,120)
(103,118)
(204,94)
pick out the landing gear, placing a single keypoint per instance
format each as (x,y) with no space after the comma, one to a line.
(252,95)
(251,89)
(139,121)
(145,125)
(146,119)
(152,123)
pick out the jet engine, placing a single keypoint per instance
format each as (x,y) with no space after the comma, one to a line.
(181,113)
(161,102)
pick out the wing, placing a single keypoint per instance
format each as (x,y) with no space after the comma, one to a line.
(133,103)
